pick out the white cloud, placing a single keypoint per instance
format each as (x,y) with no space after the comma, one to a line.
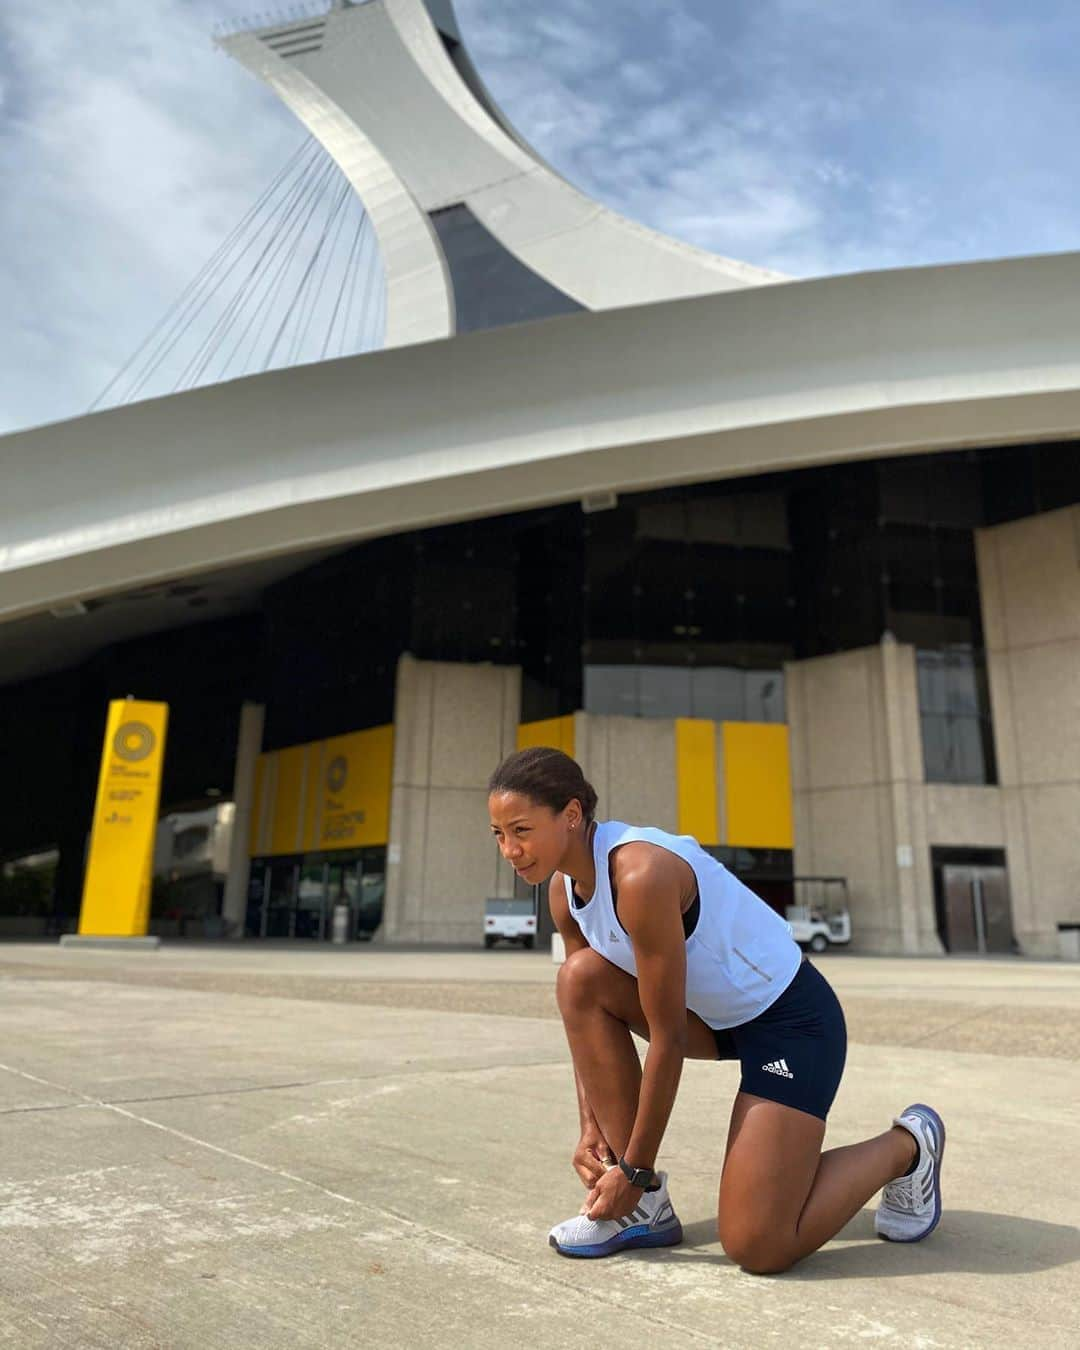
(136,147)
(820,138)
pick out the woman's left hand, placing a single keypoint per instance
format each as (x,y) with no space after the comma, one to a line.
(612,1197)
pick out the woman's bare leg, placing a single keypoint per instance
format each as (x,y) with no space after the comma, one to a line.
(781,1198)
(600,1007)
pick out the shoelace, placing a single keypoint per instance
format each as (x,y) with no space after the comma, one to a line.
(900,1197)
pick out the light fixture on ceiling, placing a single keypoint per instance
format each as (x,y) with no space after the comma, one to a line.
(599,501)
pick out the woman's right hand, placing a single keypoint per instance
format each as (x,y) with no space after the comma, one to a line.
(591,1155)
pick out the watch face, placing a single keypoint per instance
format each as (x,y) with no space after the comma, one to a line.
(638,1176)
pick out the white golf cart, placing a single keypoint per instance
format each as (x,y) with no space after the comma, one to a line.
(820,918)
(511,920)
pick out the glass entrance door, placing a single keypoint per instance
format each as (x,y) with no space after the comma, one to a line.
(279,902)
(372,893)
(312,917)
(295,897)
(343,888)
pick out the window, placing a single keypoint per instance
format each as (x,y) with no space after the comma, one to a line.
(954,708)
(721,693)
(689,606)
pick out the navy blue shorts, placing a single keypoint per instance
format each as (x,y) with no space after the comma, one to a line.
(792,1053)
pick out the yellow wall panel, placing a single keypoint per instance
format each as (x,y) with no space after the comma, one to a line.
(757,785)
(289,792)
(257,804)
(558,732)
(116,890)
(314,777)
(695,770)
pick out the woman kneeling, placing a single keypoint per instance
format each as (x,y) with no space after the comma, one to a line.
(663,941)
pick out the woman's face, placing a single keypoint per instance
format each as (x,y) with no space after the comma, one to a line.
(531,837)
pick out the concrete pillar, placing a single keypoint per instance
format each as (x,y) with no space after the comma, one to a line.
(248,746)
(904,769)
(1029,583)
(630,761)
(453,723)
(859,794)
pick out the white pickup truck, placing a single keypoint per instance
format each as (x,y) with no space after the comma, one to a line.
(511,920)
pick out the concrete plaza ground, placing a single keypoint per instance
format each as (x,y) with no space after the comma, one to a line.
(283,1147)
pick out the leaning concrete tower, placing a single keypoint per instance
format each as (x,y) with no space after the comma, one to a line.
(475,229)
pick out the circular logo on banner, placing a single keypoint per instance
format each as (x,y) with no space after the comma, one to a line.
(133,741)
(336,773)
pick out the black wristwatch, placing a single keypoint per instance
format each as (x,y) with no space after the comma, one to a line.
(644,1177)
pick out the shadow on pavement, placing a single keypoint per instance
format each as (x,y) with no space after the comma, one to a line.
(967,1240)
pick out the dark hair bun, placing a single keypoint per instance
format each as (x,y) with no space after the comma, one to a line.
(546,776)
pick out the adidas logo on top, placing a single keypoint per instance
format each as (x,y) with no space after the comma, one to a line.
(779,1066)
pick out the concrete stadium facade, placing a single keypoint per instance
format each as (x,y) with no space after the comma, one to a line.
(610,368)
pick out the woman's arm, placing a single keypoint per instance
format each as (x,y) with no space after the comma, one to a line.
(651,912)
(650,885)
(593,1150)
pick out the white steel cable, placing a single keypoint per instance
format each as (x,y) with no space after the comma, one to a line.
(184,309)
(296,240)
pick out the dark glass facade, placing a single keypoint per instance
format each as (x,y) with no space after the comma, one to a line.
(330,641)
(688,604)
(51,729)
(954,709)
(680,602)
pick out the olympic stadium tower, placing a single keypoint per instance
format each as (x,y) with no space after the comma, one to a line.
(790,566)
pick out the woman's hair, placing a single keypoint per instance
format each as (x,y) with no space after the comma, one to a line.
(547,777)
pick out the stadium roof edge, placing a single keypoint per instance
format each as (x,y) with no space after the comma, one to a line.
(689,390)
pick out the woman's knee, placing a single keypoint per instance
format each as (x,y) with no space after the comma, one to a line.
(757,1251)
(580,978)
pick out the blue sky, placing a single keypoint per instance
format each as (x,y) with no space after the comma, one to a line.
(812,138)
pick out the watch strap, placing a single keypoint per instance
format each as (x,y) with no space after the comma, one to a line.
(644,1177)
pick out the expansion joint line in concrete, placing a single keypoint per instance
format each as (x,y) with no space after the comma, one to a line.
(589,1299)
(239,1091)
(85,1101)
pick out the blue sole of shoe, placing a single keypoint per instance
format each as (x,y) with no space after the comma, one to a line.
(939,1125)
(629,1239)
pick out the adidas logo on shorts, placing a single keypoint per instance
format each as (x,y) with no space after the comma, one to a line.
(778,1066)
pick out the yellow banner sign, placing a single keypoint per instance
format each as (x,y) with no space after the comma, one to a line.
(325,795)
(116,892)
(352,806)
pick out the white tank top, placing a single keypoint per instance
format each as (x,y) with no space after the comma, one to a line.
(740,957)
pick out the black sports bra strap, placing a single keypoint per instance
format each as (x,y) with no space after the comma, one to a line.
(689,919)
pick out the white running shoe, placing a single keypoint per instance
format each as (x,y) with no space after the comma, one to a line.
(910,1206)
(652,1224)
